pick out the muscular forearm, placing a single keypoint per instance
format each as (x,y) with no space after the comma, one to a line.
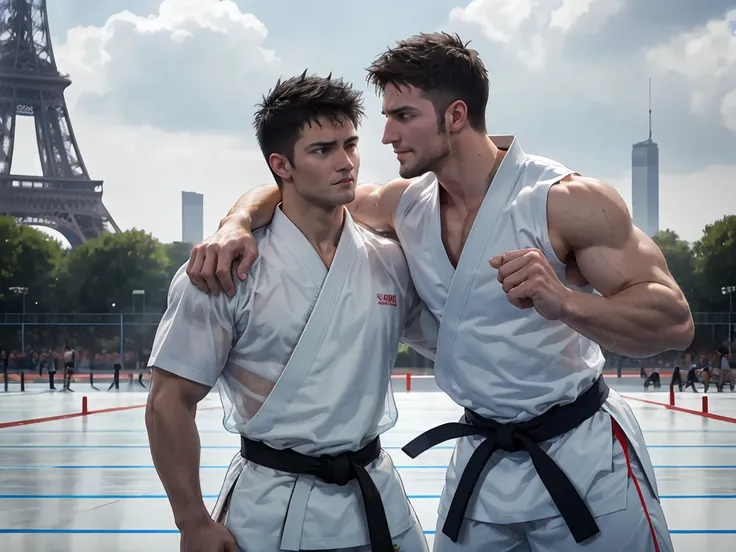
(639,322)
(255,207)
(175,449)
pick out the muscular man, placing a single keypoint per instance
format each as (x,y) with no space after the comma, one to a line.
(529,268)
(303,353)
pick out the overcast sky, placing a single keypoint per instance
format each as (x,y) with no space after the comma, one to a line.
(163,92)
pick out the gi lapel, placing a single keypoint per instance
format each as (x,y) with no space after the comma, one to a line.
(473,257)
(313,334)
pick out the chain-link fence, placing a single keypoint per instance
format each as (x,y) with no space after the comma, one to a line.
(102,340)
(99,340)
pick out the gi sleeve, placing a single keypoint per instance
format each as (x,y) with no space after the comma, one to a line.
(196,333)
(421,328)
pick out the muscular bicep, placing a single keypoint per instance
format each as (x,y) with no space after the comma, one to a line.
(593,222)
(375,205)
(635,260)
(169,388)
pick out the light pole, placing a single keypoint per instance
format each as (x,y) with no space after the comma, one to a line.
(139,292)
(139,337)
(728,290)
(23,291)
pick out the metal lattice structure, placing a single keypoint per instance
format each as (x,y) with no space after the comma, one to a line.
(65,198)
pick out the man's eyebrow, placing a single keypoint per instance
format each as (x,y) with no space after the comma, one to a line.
(331,143)
(397,110)
(323,144)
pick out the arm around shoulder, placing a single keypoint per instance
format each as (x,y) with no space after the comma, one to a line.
(641,311)
(375,205)
(255,207)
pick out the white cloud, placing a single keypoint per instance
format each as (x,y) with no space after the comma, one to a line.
(728,110)
(498,19)
(545,21)
(706,58)
(168,91)
(568,13)
(175,70)
(148,146)
(688,201)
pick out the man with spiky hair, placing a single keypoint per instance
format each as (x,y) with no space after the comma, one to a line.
(529,268)
(302,352)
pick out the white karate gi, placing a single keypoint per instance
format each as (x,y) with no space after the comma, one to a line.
(303,358)
(512,365)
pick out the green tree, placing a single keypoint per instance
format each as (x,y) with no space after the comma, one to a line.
(29,260)
(100,275)
(177,253)
(715,263)
(681,262)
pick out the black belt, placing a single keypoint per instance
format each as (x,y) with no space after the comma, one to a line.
(517,437)
(336,470)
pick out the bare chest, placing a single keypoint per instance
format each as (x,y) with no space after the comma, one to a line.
(456,226)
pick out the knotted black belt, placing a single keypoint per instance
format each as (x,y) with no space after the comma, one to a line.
(517,437)
(335,470)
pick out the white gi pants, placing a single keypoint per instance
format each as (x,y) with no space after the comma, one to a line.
(412,540)
(640,527)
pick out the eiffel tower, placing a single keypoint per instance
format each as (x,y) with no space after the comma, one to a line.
(65,198)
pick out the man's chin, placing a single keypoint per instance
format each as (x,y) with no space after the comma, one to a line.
(408,171)
(343,198)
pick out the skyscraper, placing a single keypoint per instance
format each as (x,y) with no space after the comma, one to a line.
(645,181)
(645,186)
(192,217)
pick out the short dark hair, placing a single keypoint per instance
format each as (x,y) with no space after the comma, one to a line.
(442,67)
(300,101)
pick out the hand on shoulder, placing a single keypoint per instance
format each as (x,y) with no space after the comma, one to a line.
(210,263)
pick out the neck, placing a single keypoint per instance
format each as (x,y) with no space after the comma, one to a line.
(321,225)
(465,175)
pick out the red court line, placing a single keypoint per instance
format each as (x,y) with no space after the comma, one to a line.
(67,416)
(78,414)
(684,410)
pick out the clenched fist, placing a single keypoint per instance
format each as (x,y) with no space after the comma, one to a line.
(529,281)
(209,536)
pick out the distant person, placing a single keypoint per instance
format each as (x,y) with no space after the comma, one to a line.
(653,379)
(69,360)
(692,368)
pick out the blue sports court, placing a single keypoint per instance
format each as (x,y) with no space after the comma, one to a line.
(88,481)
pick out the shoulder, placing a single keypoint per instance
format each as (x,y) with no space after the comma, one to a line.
(416,185)
(186,299)
(391,194)
(543,169)
(412,191)
(586,211)
(537,176)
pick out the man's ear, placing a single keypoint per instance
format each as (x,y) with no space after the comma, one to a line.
(280,165)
